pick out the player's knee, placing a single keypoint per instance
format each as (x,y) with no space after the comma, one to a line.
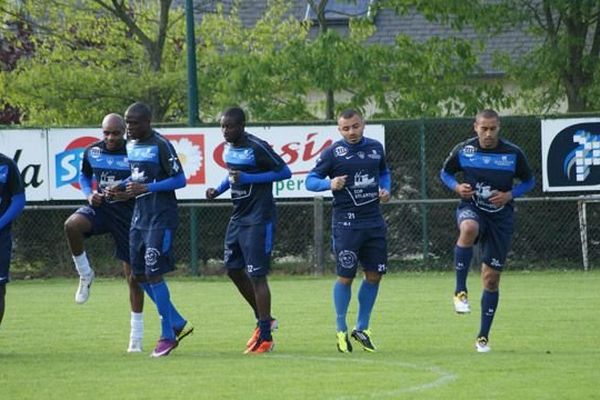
(258,280)
(469,230)
(373,277)
(237,275)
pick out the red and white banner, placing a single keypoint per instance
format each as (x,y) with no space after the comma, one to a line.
(55,157)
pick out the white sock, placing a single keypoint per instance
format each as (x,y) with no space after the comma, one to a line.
(137,325)
(82,265)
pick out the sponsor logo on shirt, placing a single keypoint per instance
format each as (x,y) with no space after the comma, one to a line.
(340,151)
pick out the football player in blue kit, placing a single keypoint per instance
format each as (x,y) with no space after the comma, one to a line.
(489,166)
(105,162)
(155,175)
(354,169)
(12,202)
(253,167)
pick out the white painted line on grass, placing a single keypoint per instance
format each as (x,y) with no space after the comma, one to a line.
(444,377)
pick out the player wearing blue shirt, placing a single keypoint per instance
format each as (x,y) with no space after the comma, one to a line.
(253,167)
(12,202)
(105,162)
(155,175)
(489,166)
(354,169)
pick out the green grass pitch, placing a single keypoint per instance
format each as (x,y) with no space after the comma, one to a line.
(545,342)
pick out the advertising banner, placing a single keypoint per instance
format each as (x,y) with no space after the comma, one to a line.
(571,154)
(29,150)
(200,151)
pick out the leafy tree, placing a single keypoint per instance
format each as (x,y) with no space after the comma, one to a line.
(565,61)
(98,56)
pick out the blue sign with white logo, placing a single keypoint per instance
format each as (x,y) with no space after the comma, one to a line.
(571,154)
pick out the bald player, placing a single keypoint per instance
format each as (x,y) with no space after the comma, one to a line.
(105,165)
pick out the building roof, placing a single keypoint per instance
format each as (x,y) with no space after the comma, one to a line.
(389,25)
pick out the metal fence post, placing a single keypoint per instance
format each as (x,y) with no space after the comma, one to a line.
(194,242)
(582,213)
(318,236)
(424,208)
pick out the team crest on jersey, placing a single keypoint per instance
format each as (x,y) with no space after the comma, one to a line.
(151,256)
(95,152)
(469,151)
(347,259)
(340,151)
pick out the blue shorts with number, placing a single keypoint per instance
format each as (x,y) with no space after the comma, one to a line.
(5,253)
(151,251)
(249,246)
(367,246)
(113,219)
(495,232)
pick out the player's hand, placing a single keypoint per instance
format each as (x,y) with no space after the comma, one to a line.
(464,190)
(95,199)
(499,198)
(234,176)
(338,182)
(211,193)
(384,195)
(135,188)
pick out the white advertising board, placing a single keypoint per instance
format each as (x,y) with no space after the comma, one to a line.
(200,151)
(29,150)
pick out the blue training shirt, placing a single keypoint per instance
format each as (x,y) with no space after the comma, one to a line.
(253,203)
(357,204)
(108,168)
(153,160)
(11,183)
(488,170)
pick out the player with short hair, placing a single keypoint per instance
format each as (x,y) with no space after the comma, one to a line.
(155,175)
(489,165)
(253,167)
(105,162)
(355,171)
(12,202)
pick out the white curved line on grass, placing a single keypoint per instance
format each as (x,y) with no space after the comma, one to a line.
(444,376)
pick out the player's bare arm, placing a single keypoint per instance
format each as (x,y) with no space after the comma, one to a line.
(135,188)
(95,199)
(464,190)
(499,198)
(384,195)
(338,182)
(211,193)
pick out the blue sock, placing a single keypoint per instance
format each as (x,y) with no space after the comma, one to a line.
(341,300)
(462,262)
(489,304)
(177,320)
(366,300)
(163,305)
(265,329)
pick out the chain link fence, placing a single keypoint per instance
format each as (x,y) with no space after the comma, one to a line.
(421,226)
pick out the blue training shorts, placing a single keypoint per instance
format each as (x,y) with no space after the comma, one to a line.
(151,251)
(249,246)
(367,246)
(5,253)
(495,232)
(115,220)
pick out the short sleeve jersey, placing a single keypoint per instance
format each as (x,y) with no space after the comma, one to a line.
(488,170)
(107,167)
(154,159)
(357,204)
(252,202)
(11,183)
